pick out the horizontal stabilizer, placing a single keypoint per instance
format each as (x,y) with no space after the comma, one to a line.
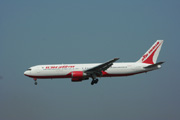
(154,65)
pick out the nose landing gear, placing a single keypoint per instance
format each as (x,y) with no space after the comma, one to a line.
(35,81)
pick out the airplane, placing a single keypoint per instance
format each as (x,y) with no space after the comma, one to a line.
(81,72)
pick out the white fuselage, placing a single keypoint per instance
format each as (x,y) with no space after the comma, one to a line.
(80,72)
(64,70)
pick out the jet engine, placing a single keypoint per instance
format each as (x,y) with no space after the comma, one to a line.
(78,76)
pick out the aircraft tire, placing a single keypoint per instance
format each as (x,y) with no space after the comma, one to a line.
(92,83)
(35,83)
(96,81)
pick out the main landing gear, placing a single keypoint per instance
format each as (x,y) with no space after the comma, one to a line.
(94,81)
(35,81)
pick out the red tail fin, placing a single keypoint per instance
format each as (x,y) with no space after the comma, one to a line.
(150,57)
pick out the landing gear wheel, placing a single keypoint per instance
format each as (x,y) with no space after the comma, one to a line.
(96,81)
(92,83)
(35,83)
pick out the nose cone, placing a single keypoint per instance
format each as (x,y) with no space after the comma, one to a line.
(26,73)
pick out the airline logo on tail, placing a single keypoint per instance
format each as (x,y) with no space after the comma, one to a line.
(150,57)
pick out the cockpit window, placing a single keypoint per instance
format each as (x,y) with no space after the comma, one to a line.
(29,69)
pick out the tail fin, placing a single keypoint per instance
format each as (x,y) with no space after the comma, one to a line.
(150,57)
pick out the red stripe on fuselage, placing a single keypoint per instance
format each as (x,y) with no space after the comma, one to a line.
(46,77)
(105,74)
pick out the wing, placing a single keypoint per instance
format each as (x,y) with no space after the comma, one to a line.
(102,67)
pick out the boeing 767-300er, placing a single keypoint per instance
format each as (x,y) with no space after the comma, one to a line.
(80,72)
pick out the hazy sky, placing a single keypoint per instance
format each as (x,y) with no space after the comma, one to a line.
(83,31)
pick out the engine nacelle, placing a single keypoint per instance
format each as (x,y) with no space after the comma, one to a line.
(78,76)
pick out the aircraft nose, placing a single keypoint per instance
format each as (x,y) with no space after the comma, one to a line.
(26,73)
